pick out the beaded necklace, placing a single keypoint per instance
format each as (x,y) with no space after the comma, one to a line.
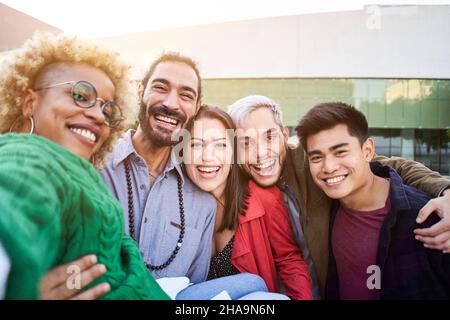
(131,216)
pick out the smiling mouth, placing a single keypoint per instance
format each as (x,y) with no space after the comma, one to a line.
(85,133)
(334,180)
(167,120)
(265,166)
(208,169)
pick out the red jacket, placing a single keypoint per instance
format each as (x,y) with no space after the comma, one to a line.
(264,243)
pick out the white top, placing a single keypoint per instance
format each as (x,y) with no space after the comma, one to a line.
(4,271)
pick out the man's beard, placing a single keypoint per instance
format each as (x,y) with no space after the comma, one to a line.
(160,137)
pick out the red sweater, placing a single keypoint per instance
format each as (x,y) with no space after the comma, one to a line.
(264,243)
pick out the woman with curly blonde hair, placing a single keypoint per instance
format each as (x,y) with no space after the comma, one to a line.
(33,65)
(62,105)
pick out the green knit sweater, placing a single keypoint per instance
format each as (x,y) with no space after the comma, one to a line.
(55,208)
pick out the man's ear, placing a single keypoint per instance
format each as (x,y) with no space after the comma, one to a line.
(369,149)
(286,133)
(29,103)
(199,104)
(140,91)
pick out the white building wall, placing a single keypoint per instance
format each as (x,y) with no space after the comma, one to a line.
(377,42)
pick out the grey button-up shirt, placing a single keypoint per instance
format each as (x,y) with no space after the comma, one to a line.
(294,215)
(157,213)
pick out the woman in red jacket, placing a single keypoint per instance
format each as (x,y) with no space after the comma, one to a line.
(252,229)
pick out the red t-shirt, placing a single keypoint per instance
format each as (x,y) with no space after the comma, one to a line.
(355,238)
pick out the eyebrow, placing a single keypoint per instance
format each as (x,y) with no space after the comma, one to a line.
(332,148)
(337,146)
(313,152)
(267,132)
(218,139)
(270,131)
(166,82)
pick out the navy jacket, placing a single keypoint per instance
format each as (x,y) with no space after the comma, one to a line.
(408,269)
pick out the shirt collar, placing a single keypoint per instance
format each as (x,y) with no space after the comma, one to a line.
(125,148)
(397,190)
(176,164)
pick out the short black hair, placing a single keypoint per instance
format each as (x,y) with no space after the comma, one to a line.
(327,115)
(174,57)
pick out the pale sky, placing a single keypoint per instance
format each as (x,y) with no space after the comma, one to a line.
(103,18)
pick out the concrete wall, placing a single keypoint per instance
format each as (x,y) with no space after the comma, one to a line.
(16,27)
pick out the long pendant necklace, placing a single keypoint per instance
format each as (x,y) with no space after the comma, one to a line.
(131,216)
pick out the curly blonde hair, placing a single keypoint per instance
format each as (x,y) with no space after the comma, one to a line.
(18,73)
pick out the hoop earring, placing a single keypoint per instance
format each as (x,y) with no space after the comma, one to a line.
(32,124)
(31,121)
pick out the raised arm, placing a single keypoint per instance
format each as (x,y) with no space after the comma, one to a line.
(30,224)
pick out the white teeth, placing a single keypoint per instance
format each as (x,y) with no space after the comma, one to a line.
(264,165)
(85,133)
(208,169)
(335,179)
(166,119)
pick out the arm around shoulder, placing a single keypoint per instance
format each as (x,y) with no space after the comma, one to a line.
(416,174)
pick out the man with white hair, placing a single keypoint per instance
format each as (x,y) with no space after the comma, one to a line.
(267,158)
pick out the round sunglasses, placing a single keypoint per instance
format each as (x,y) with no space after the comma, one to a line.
(84,95)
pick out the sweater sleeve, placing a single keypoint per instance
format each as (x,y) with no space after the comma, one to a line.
(30,207)
(139,283)
(291,266)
